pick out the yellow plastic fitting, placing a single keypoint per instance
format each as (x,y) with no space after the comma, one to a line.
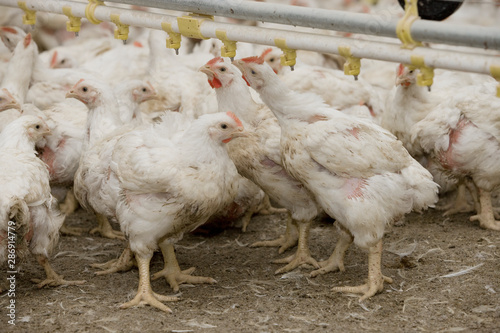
(29,16)
(75,23)
(495,72)
(289,56)
(426,76)
(229,47)
(403,28)
(121,30)
(189,25)
(352,65)
(90,11)
(174,38)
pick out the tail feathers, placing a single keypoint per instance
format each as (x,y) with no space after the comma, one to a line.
(19,211)
(425,190)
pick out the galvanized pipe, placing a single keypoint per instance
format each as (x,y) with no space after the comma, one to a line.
(421,30)
(452,60)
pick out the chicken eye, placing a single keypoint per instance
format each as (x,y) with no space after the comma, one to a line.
(37,126)
(253,72)
(85,89)
(223,69)
(223,126)
(144,90)
(63,61)
(271,60)
(411,72)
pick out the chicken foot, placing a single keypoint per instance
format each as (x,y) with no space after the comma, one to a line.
(123,264)
(336,260)
(145,294)
(172,272)
(264,208)
(286,241)
(375,283)
(460,204)
(104,228)
(302,255)
(53,279)
(67,207)
(486,216)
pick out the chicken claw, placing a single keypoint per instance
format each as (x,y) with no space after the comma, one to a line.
(172,272)
(376,280)
(486,217)
(53,279)
(71,231)
(286,241)
(123,264)
(104,228)
(302,256)
(336,260)
(145,294)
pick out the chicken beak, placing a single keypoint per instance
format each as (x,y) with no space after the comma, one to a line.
(208,71)
(403,82)
(71,94)
(239,132)
(238,63)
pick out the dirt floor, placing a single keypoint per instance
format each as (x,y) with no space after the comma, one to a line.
(446,275)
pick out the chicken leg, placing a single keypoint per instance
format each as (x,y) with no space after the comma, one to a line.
(460,204)
(375,281)
(104,228)
(124,263)
(67,207)
(336,260)
(53,279)
(485,217)
(172,272)
(302,255)
(286,241)
(145,294)
(264,208)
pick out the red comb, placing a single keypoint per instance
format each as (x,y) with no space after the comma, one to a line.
(236,119)
(215,60)
(53,60)
(266,52)
(257,60)
(401,68)
(9,29)
(27,40)
(138,44)
(78,83)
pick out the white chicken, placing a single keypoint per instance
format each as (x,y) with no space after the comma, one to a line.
(359,173)
(102,119)
(26,204)
(462,136)
(336,89)
(258,158)
(18,76)
(171,184)
(94,187)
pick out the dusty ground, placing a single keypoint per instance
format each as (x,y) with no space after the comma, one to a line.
(425,295)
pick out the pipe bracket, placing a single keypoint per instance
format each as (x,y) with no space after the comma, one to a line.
(189,25)
(29,16)
(90,11)
(352,65)
(75,23)
(403,28)
(174,38)
(289,56)
(121,30)
(229,47)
